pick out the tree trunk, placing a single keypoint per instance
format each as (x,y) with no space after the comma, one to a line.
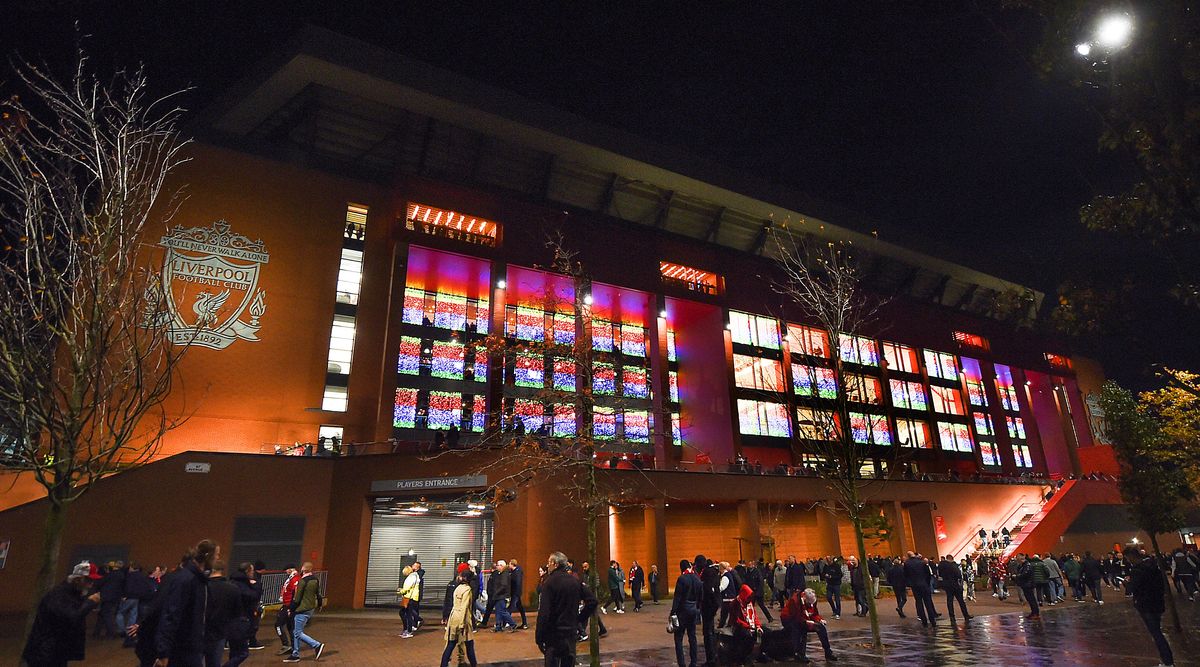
(594,621)
(48,573)
(1167,586)
(865,571)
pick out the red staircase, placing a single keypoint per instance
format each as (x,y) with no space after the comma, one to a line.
(1027,527)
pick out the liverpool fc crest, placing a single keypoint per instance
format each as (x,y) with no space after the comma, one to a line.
(210,280)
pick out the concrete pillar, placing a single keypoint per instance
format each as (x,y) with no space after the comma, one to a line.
(898,539)
(831,539)
(749,538)
(655,525)
(924,533)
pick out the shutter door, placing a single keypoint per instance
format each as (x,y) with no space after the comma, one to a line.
(434,538)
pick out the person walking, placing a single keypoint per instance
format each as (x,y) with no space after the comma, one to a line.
(460,628)
(779,583)
(952,582)
(1093,575)
(858,585)
(179,634)
(409,591)
(304,603)
(1023,577)
(997,573)
(710,604)
(416,603)
(59,632)
(1058,592)
(653,579)
(517,602)
(916,573)
(502,593)
(564,604)
(283,617)
(794,581)
(1148,589)
(969,572)
(895,579)
(685,608)
(241,634)
(833,586)
(1041,580)
(1183,571)
(754,579)
(616,588)
(1073,571)
(221,611)
(139,589)
(637,580)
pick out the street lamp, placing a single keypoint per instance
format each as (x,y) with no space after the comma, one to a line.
(1111,34)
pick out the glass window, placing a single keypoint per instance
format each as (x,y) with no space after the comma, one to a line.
(525,323)
(1016,427)
(676,430)
(335,399)
(604,378)
(983,424)
(448,360)
(989,453)
(529,370)
(564,374)
(673,385)
(1021,455)
(633,340)
(763,418)
(478,413)
(445,409)
(859,350)
(633,383)
(405,413)
(868,429)
(450,312)
(804,377)
(481,364)
(564,421)
(947,401)
(341,344)
(672,355)
(909,395)
(1004,387)
(976,395)
(754,330)
(913,433)
(604,423)
(757,373)
(941,365)
(808,341)
(602,336)
(636,426)
(530,413)
(564,329)
(812,424)
(955,437)
(863,389)
(349,280)
(901,358)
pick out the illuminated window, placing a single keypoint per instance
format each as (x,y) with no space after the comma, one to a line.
(405,411)
(564,374)
(947,401)
(976,395)
(530,413)
(447,360)
(913,433)
(955,437)
(1004,387)
(757,373)
(450,312)
(409,362)
(859,350)
(763,418)
(754,330)
(989,453)
(863,389)
(529,370)
(1016,427)
(868,429)
(602,336)
(1058,361)
(450,225)
(1021,455)
(941,365)
(633,383)
(636,426)
(335,399)
(341,344)
(673,385)
(804,377)
(525,323)
(564,329)
(604,423)
(909,395)
(983,424)
(564,421)
(478,413)
(970,340)
(808,341)
(445,311)
(901,358)
(341,335)
(604,379)
(671,354)
(676,430)
(445,409)
(481,364)
(633,340)
(356,222)
(814,424)
(688,278)
(349,280)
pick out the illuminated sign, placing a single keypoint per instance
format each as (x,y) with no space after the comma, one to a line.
(429,483)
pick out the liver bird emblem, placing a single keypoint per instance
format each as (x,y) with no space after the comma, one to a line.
(206,307)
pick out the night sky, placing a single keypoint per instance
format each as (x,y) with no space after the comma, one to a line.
(929,121)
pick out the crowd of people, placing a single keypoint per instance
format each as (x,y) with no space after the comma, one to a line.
(195,613)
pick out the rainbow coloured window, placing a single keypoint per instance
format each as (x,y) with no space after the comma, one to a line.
(633,340)
(447,360)
(983,424)
(529,370)
(478,413)
(404,414)
(754,330)
(564,374)
(673,386)
(1016,427)
(676,430)
(804,377)
(445,311)
(633,383)
(602,336)
(604,423)
(763,418)
(564,421)
(481,364)
(531,414)
(445,409)
(1021,455)
(564,329)
(604,379)
(988,452)
(913,433)
(976,395)
(414,306)
(955,437)
(1004,386)
(859,350)
(671,353)
(941,365)
(637,426)
(409,360)
(869,429)
(450,312)
(528,324)
(909,395)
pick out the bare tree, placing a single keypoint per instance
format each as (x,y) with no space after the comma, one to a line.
(85,360)
(821,280)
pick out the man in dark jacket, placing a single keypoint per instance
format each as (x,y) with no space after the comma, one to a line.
(686,607)
(112,590)
(502,591)
(1147,585)
(559,612)
(794,581)
(895,579)
(179,637)
(518,592)
(754,579)
(59,630)
(710,603)
(242,629)
(1093,574)
(139,588)
(952,582)
(220,615)
(916,573)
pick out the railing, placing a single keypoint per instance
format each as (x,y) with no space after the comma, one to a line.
(272,585)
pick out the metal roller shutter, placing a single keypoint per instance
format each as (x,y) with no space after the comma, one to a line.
(434,538)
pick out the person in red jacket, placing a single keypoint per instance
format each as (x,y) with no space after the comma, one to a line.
(283,618)
(746,627)
(808,619)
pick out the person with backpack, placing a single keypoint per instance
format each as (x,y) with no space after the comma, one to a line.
(685,609)
(305,603)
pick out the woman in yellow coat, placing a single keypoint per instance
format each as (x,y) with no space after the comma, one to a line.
(458,625)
